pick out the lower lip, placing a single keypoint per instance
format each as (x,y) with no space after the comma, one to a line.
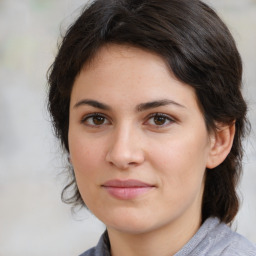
(126,193)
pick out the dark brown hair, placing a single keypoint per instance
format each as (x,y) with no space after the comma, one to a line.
(199,50)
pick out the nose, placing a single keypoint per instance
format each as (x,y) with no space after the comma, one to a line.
(126,149)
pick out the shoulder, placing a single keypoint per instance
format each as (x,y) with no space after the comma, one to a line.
(90,252)
(226,242)
(236,245)
(217,239)
(101,249)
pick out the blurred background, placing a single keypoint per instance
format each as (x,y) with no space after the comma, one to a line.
(33,220)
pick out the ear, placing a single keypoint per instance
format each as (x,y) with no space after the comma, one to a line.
(69,159)
(221,144)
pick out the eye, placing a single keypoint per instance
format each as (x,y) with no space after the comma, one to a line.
(159,119)
(95,120)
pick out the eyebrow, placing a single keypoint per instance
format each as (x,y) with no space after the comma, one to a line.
(157,103)
(141,107)
(93,103)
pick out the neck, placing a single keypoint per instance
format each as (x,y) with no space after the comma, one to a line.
(165,241)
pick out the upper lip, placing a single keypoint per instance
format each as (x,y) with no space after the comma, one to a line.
(131,183)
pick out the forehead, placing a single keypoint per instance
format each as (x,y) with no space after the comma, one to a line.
(117,53)
(124,71)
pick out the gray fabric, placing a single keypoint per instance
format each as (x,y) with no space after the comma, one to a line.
(212,239)
(102,248)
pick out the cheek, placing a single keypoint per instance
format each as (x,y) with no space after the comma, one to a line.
(181,176)
(85,158)
(84,154)
(181,162)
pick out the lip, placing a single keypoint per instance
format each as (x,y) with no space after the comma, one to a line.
(127,189)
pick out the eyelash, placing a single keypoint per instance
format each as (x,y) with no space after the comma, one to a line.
(93,115)
(166,118)
(151,116)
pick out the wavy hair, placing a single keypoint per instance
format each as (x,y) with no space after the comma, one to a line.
(200,51)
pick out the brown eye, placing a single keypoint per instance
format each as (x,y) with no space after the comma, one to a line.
(95,120)
(98,120)
(160,120)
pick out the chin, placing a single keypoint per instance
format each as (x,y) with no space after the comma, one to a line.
(134,225)
(133,229)
(128,223)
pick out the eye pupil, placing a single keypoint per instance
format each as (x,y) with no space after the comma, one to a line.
(159,120)
(98,120)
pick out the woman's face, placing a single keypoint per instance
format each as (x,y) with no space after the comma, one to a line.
(138,142)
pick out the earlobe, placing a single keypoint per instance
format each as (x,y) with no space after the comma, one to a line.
(221,144)
(69,159)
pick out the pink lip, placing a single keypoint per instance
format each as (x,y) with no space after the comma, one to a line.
(126,189)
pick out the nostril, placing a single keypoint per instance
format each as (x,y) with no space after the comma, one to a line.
(124,155)
(132,163)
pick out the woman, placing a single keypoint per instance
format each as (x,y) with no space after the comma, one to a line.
(146,99)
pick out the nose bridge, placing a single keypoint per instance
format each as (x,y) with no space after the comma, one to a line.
(125,147)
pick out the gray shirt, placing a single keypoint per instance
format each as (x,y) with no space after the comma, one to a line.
(212,239)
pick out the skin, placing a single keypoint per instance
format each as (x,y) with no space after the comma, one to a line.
(126,141)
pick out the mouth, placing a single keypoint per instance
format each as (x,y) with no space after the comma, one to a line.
(127,189)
